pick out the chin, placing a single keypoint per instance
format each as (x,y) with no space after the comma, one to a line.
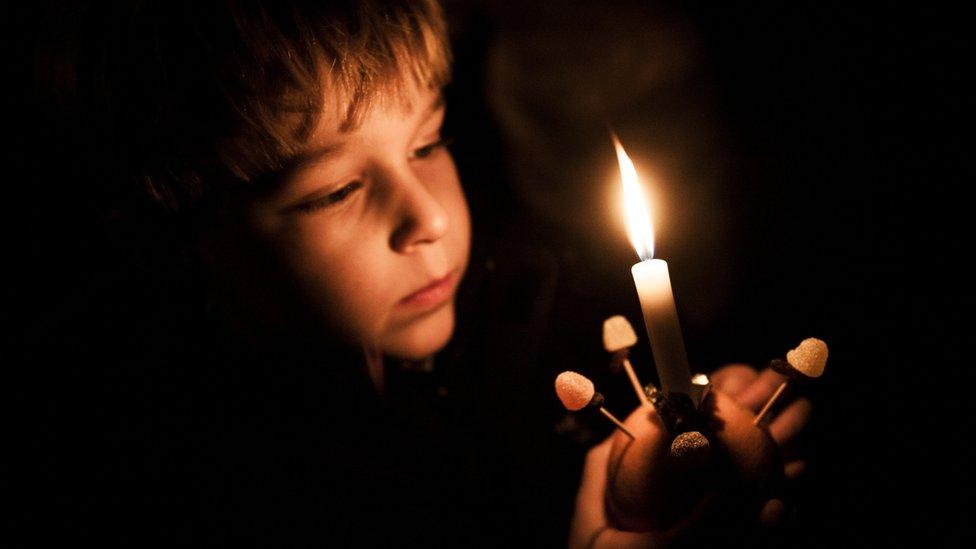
(424,337)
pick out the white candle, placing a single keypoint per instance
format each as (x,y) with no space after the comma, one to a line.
(654,287)
(663,329)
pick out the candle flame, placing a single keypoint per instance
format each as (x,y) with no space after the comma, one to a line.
(639,226)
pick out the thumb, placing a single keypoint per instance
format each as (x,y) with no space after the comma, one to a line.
(590,515)
(772,514)
(594,481)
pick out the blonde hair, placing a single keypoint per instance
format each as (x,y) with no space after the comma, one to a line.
(194,96)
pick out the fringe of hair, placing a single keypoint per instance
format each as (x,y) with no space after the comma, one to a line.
(191,96)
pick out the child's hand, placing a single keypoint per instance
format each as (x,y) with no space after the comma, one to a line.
(750,390)
(747,465)
(591,525)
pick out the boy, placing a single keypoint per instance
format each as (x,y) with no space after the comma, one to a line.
(294,150)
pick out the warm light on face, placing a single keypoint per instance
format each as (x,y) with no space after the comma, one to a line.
(639,226)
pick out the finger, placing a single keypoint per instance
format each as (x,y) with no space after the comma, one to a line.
(788,423)
(733,378)
(759,391)
(590,524)
(772,514)
(594,479)
(794,469)
(590,515)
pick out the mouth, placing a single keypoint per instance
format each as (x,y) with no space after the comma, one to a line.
(433,294)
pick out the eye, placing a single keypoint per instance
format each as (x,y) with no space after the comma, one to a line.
(426,150)
(332,198)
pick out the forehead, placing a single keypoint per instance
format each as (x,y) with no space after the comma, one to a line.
(385,109)
(392,115)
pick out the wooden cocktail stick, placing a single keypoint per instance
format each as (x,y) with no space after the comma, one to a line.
(576,392)
(618,338)
(807,361)
(616,422)
(770,402)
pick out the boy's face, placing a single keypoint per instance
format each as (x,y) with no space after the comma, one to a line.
(372,227)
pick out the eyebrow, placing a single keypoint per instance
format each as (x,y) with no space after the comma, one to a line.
(314,156)
(309,158)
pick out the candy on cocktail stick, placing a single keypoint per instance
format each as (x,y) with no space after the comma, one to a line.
(576,392)
(807,361)
(690,449)
(618,338)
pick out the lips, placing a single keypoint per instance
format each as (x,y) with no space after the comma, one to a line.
(433,294)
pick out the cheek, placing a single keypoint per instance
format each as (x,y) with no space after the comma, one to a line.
(341,280)
(346,275)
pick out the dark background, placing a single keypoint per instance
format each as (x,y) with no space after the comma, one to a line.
(809,168)
(810,165)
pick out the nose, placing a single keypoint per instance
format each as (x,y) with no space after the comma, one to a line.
(420,217)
